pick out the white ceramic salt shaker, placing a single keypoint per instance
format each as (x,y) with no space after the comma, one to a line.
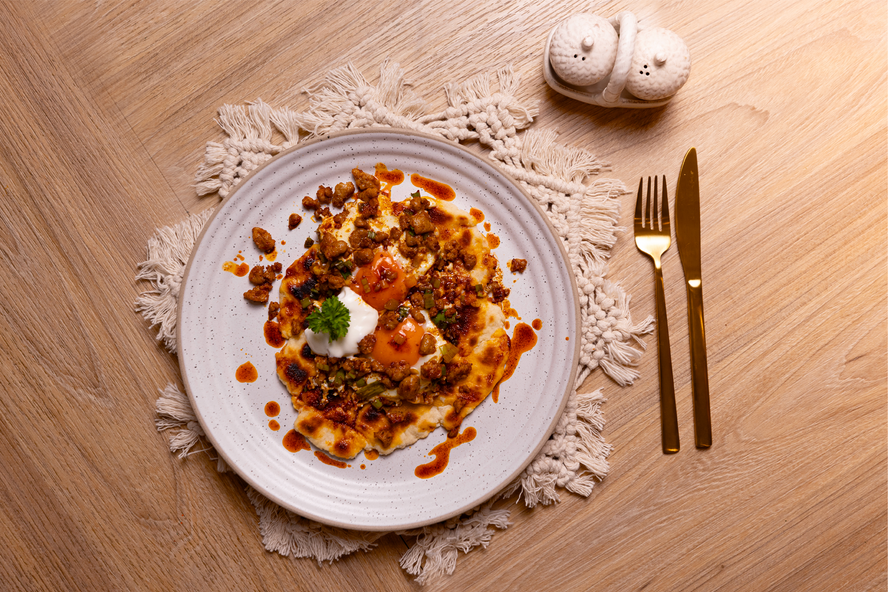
(583,49)
(614,63)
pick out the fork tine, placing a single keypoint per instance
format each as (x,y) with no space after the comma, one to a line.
(665,218)
(638,203)
(652,207)
(655,210)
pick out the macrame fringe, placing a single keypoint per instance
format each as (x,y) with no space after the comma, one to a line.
(437,547)
(168,253)
(291,535)
(573,458)
(174,412)
(584,214)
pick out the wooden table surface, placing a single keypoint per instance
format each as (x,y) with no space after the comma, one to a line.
(106,109)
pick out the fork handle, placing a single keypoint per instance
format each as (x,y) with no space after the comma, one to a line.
(668,414)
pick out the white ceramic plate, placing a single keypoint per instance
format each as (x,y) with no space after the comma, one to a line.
(218,331)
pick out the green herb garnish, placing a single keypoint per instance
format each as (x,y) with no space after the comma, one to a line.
(332,318)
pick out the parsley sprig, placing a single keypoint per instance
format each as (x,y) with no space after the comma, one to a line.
(332,318)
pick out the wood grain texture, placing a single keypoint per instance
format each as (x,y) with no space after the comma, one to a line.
(107,107)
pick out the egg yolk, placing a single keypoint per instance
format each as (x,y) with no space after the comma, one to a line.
(380,281)
(400,344)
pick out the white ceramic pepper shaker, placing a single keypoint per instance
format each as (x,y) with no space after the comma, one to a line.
(661,64)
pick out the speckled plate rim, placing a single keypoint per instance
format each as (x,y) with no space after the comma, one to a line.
(474,502)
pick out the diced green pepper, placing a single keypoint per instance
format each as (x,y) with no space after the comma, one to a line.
(448,352)
(371,390)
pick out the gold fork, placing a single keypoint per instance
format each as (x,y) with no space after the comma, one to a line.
(653,235)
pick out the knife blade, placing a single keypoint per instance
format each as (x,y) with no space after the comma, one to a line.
(687,236)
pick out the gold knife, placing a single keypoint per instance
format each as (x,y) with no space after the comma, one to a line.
(687,236)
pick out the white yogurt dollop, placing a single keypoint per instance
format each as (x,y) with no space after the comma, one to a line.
(362,322)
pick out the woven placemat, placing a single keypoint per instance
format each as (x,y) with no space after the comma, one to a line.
(583,209)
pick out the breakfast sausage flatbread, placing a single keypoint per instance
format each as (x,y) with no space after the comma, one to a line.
(393,320)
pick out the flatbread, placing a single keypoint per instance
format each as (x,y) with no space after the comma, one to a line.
(447,285)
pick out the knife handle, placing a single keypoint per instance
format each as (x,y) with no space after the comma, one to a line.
(668,414)
(699,372)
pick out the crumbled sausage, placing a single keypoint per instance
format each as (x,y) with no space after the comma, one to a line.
(409,387)
(363,257)
(294,221)
(324,195)
(262,275)
(499,293)
(407,251)
(341,193)
(389,320)
(449,252)
(432,370)
(273,309)
(334,281)
(364,180)
(421,223)
(398,371)
(369,208)
(371,193)
(456,371)
(258,294)
(262,239)
(365,345)
(469,261)
(331,247)
(430,242)
(310,203)
(427,344)
(517,265)
(360,238)
(416,203)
